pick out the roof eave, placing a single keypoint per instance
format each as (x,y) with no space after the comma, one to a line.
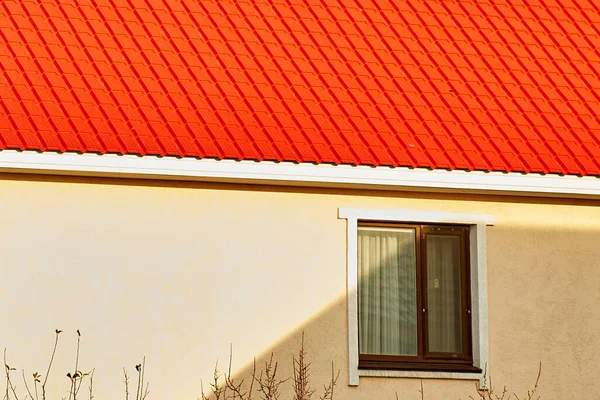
(293,174)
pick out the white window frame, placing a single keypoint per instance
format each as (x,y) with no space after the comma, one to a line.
(477,243)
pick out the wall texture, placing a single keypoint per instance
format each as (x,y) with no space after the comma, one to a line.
(177,272)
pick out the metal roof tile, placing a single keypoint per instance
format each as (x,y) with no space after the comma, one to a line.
(397,83)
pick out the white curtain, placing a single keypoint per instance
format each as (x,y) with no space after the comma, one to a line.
(444,294)
(387,291)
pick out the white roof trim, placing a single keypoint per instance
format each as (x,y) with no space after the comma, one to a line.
(288,173)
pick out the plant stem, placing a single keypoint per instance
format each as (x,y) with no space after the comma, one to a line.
(50,366)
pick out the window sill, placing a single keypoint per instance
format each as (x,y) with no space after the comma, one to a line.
(419,366)
(474,376)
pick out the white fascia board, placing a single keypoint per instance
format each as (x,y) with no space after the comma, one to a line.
(288,173)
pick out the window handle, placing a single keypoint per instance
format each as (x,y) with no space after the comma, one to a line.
(424,310)
(468,311)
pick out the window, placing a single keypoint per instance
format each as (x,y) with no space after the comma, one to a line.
(421,353)
(414,302)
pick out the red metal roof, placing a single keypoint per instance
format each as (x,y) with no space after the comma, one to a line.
(510,85)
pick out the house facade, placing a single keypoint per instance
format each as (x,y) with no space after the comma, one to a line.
(412,186)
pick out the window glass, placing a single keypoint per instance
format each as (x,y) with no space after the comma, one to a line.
(444,294)
(387,295)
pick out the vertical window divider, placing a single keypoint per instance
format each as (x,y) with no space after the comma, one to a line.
(420,299)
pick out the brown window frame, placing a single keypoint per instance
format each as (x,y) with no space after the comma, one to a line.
(425,360)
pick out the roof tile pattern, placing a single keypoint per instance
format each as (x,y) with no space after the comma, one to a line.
(510,85)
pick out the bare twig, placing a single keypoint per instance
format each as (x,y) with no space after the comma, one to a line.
(251,388)
(269,386)
(126,381)
(219,392)
(138,368)
(202,395)
(236,389)
(50,365)
(145,391)
(26,386)
(71,387)
(91,387)
(488,391)
(36,380)
(7,369)
(142,392)
(77,375)
(80,376)
(531,393)
(302,390)
(328,390)
(9,384)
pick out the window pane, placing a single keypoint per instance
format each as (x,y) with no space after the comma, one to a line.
(444,294)
(387,291)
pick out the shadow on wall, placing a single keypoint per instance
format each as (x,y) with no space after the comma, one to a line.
(542,291)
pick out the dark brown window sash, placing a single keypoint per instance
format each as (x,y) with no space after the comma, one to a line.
(426,360)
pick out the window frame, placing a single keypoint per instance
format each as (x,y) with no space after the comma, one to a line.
(427,360)
(478,282)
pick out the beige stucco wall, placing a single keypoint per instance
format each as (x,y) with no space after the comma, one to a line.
(177,272)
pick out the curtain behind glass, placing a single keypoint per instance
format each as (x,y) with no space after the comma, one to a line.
(387,291)
(444,294)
